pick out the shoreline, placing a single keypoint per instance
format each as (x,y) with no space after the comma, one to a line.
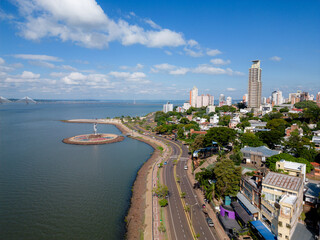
(136,212)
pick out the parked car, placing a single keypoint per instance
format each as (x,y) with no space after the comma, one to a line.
(210,222)
(185,167)
(165,163)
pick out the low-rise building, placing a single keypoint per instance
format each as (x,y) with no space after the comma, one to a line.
(292,168)
(281,203)
(311,194)
(210,109)
(250,188)
(316,168)
(256,156)
(294,127)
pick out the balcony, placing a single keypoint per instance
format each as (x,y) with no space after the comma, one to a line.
(268,205)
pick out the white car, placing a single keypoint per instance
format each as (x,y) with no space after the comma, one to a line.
(185,167)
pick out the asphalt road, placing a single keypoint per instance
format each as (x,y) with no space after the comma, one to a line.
(179,228)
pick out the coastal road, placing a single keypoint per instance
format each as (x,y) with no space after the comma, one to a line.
(179,227)
(197,216)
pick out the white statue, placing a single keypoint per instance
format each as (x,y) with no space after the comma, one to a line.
(95,128)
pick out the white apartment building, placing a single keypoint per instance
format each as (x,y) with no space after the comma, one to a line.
(276,98)
(193,96)
(186,106)
(281,203)
(229,101)
(168,107)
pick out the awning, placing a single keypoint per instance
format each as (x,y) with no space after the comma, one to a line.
(246,203)
(241,212)
(262,230)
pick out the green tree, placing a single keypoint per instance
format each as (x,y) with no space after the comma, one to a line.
(228,178)
(271,161)
(285,109)
(278,125)
(198,143)
(251,140)
(244,124)
(271,138)
(305,104)
(224,120)
(222,135)
(163,202)
(161,190)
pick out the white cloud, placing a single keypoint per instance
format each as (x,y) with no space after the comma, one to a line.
(163,67)
(27,74)
(193,53)
(231,89)
(85,23)
(168,52)
(207,69)
(152,24)
(275,59)
(37,57)
(2,61)
(42,64)
(213,52)
(193,43)
(179,71)
(58,74)
(137,67)
(219,61)
(25,77)
(136,77)
(68,67)
(74,78)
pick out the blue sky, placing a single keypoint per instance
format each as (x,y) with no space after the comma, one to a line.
(87,49)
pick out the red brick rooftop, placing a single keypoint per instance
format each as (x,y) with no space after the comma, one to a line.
(282,181)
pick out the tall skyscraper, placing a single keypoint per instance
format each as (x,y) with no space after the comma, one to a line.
(255,84)
(193,96)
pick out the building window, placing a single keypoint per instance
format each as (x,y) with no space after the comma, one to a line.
(287,237)
(280,235)
(280,224)
(288,225)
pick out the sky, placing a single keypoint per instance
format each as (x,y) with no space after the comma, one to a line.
(156,50)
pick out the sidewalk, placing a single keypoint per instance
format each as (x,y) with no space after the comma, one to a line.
(219,229)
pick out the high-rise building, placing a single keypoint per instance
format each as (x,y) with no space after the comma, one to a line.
(229,101)
(277,97)
(200,101)
(193,96)
(255,84)
(318,99)
(245,98)
(264,101)
(222,100)
(168,107)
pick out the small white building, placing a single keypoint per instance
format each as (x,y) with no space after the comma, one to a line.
(214,119)
(186,106)
(210,109)
(292,168)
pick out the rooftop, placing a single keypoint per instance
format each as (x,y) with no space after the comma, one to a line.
(265,151)
(293,165)
(288,199)
(266,234)
(313,189)
(246,203)
(282,181)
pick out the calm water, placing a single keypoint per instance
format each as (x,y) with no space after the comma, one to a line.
(51,190)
